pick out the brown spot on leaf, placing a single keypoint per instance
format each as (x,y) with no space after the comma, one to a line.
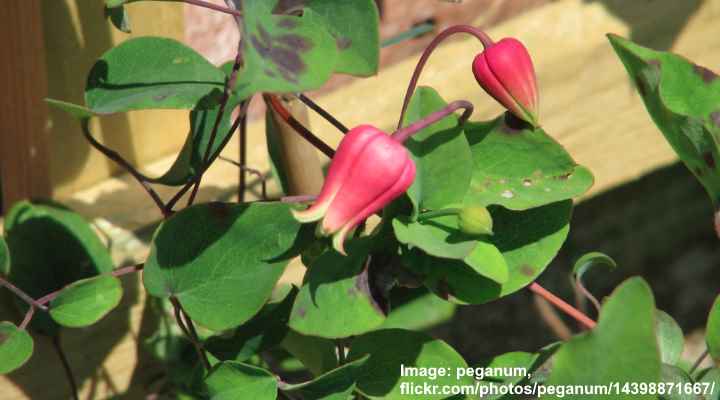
(301,312)
(269,73)
(709,159)
(527,270)
(707,75)
(3,337)
(564,177)
(715,117)
(284,51)
(343,43)
(294,41)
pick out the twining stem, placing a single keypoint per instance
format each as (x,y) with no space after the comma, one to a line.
(699,360)
(275,104)
(585,292)
(438,213)
(186,325)
(402,134)
(118,159)
(205,4)
(323,113)
(257,173)
(66,366)
(22,295)
(229,85)
(28,317)
(477,32)
(562,305)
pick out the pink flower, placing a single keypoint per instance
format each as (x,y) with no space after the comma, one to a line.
(506,72)
(370,169)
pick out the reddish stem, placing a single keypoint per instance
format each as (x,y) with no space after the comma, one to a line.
(205,4)
(401,135)
(562,305)
(21,294)
(477,32)
(274,102)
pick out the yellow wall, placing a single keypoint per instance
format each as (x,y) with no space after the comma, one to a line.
(76,34)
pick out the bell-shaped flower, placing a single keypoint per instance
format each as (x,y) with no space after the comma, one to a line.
(369,170)
(506,72)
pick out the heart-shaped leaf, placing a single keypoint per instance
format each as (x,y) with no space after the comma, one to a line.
(400,356)
(441,152)
(683,100)
(231,380)
(221,261)
(712,331)
(337,384)
(520,168)
(265,331)
(152,73)
(16,347)
(86,301)
(283,53)
(335,300)
(626,326)
(51,247)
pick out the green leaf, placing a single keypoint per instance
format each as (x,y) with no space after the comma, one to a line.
(354,26)
(51,247)
(283,53)
(510,364)
(591,260)
(389,349)
(337,384)
(670,338)
(272,136)
(676,376)
(119,18)
(520,168)
(75,110)
(265,331)
(712,331)
(335,300)
(441,152)
(420,313)
(4,258)
(528,241)
(221,261)
(85,302)
(231,380)
(683,100)
(16,347)
(152,73)
(626,327)
(711,377)
(315,353)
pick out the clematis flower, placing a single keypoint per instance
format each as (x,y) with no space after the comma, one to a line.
(369,170)
(506,72)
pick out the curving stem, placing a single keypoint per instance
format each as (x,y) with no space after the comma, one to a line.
(401,135)
(477,32)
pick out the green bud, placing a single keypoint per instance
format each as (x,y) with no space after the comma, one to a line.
(475,220)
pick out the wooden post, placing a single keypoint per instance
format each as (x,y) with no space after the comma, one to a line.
(23,144)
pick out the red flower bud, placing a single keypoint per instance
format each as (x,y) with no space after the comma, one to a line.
(370,169)
(506,72)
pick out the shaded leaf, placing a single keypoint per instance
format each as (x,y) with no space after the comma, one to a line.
(337,384)
(441,153)
(335,300)
(626,327)
(676,376)
(86,301)
(51,247)
(231,380)
(420,313)
(264,331)
(221,261)
(670,338)
(389,349)
(152,73)
(711,377)
(16,347)
(683,100)
(511,364)
(119,18)
(317,354)
(520,168)
(4,257)
(591,260)
(712,331)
